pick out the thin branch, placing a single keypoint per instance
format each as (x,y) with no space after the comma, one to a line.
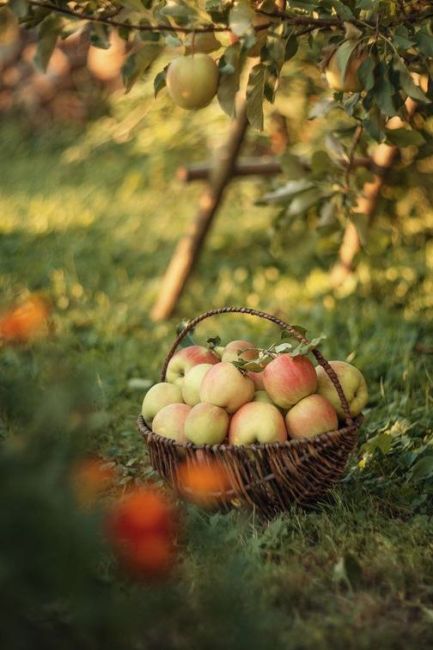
(308,22)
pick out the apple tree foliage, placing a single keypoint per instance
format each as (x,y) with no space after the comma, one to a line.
(394,39)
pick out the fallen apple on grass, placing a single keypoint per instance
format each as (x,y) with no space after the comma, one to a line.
(288,379)
(157,397)
(206,424)
(169,422)
(225,386)
(310,417)
(352,382)
(257,422)
(185,359)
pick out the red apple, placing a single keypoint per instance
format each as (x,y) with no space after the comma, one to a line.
(288,379)
(257,422)
(170,422)
(310,417)
(224,385)
(185,359)
(206,424)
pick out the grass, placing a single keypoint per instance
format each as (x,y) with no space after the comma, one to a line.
(93,227)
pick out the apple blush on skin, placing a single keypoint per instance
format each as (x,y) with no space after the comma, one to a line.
(288,379)
(185,359)
(225,386)
(257,422)
(169,422)
(310,417)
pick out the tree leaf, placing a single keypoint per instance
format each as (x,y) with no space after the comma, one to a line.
(47,38)
(241,17)
(423,469)
(138,62)
(404,137)
(343,55)
(160,81)
(230,65)
(255,96)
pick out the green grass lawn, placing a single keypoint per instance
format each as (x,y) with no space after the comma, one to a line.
(92,224)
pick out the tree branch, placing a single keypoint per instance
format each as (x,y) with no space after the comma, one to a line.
(310,23)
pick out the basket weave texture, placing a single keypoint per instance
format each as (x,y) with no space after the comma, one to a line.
(267,477)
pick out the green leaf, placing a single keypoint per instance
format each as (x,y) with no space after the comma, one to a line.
(304,348)
(303,202)
(138,62)
(241,17)
(287,191)
(255,96)
(291,47)
(343,55)
(408,85)
(230,65)
(424,40)
(285,334)
(366,73)
(404,137)
(100,36)
(213,342)
(423,469)
(160,81)
(19,7)
(401,38)
(384,91)
(47,38)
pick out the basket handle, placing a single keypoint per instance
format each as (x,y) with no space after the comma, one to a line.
(277,321)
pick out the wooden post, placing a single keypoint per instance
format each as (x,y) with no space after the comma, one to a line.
(188,248)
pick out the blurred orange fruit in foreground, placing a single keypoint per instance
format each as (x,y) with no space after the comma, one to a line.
(204,482)
(25,321)
(142,527)
(90,478)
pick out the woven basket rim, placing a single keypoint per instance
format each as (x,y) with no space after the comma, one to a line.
(287,444)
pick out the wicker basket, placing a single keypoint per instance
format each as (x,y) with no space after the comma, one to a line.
(268,477)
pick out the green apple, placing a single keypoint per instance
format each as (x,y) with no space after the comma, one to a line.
(262,396)
(185,359)
(192,382)
(352,382)
(257,422)
(310,417)
(192,80)
(225,386)
(157,397)
(206,424)
(170,422)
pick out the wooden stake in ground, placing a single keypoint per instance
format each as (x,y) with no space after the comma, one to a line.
(189,246)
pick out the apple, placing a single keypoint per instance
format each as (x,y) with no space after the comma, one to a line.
(201,42)
(192,80)
(262,396)
(192,382)
(310,417)
(239,351)
(351,82)
(170,422)
(257,422)
(157,397)
(224,385)
(185,359)
(352,382)
(288,379)
(257,378)
(206,424)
